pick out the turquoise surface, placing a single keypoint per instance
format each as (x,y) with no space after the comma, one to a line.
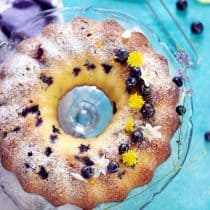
(190,190)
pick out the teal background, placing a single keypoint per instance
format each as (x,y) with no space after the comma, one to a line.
(190,190)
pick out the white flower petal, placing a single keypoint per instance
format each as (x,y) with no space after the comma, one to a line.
(100,165)
(97,172)
(126,34)
(147,76)
(150,132)
(78,177)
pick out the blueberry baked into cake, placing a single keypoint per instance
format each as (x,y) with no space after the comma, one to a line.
(39,146)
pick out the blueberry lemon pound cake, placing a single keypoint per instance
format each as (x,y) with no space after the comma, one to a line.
(65,168)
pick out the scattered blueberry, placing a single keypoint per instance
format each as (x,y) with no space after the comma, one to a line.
(178,81)
(48,151)
(33,110)
(107,68)
(135,72)
(113,167)
(123,148)
(56,130)
(131,83)
(45,4)
(114,107)
(87,172)
(122,55)
(90,66)
(26,165)
(181,4)
(53,137)
(39,121)
(137,136)
(39,53)
(16,129)
(76,71)
(85,159)
(30,154)
(45,79)
(207,136)
(147,110)
(43,173)
(196,27)
(180,109)
(145,90)
(84,148)
(23,4)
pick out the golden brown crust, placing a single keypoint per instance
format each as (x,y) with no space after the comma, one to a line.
(20,87)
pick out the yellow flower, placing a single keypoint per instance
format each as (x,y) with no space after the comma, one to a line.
(135,59)
(129,125)
(136,101)
(129,158)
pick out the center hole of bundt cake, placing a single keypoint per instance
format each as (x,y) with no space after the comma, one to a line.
(85,112)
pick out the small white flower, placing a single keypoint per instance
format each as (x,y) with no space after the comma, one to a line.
(148,76)
(100,165)
(126,34)
(150,132)
(78,177)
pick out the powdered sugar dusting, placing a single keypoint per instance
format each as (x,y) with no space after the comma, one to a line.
(55,176)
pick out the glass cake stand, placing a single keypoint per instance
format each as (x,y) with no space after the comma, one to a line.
(179,64)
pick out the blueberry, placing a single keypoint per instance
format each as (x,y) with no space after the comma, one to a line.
(135,72)
(180,109)
(181,4)
(145,90)
(131,83)
(113,167)
(107,68)
(122,55)
(147,110)
(137,136)
(114,107)
(30,154)
(84,148)
(45,4)
(16,129)
(45,79)
(76,71)
(87,172)
(207,136)
(26,165)
(123,148)
(196,27)
(178,81)
(43,173)
(90,66)
(23,4)
(14,17)
(48,151)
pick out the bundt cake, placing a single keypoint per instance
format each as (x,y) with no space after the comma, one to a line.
(54,162)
